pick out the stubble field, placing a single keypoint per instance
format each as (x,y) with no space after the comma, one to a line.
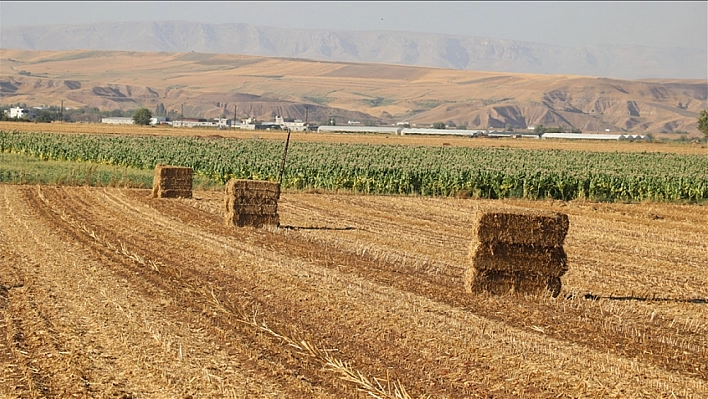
(106,292)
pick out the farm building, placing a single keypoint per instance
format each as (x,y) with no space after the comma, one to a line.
(296,125)
(194,122)
(589,136)
(155,120)
(513,135)
(359,129)
(19,112)
(118,120)
(445,132)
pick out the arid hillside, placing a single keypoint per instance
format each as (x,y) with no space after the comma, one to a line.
(208,85)
(384,46)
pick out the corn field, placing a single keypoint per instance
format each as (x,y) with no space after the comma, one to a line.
(388,169)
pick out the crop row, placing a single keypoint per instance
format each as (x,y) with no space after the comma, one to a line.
(392,169)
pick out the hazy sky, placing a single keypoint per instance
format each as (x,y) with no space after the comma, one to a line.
(652,24)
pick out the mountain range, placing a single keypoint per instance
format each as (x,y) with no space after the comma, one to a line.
(388,47)
(210,85)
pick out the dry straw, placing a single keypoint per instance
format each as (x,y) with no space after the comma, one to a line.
(519,252)
(528,227)
(251,203)
(172,182)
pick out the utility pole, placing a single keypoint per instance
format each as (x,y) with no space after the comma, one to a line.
(61,112)
(182,113)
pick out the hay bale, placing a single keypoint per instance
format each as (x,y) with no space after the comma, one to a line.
(501,283)
(517,253)
(512,258)
(172,182)
(252,188)
(531,227)
(251,203)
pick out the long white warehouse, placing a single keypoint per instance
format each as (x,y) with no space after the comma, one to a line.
(589,136)
(359,129)
(443,132)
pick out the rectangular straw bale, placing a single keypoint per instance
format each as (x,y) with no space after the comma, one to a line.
(501,283)
(251,203)
(512,258)
(231,200)
(260,188)
(528,227)
(174,194)
(251,209)
(242,219)
(172,182)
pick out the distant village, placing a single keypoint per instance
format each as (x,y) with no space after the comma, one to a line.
(399,128)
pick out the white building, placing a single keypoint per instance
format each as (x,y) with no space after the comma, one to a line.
(359,129)
(245,124)
(591,136)
(296,126)
(443,132)
(20,113)
(116,120)
(194,123)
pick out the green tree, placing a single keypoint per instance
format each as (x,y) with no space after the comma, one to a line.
(439,125)
(703,122)
(142,116)
(160,110)
(46,116)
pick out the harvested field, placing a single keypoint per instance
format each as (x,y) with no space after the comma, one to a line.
(106,292)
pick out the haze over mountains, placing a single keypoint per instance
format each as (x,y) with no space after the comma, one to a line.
(209,85)
(389,47)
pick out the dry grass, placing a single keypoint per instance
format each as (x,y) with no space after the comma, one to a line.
(172,182)
(520,252)
(251,203)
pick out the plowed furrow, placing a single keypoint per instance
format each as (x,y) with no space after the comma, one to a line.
(194,274)
(572,323)
(186,300)
(382,317)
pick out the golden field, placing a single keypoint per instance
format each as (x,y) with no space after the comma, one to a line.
(106,292)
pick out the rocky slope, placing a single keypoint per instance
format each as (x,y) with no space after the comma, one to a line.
(209,85)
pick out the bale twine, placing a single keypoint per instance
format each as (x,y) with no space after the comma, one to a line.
(251,203)
(172,182)
(518,252)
